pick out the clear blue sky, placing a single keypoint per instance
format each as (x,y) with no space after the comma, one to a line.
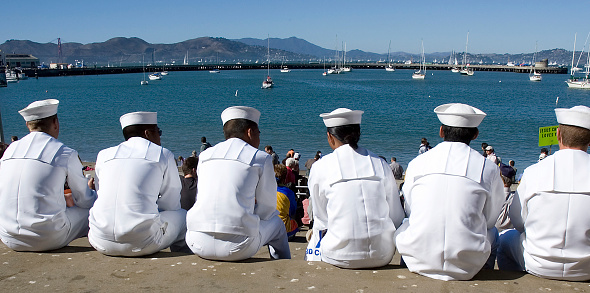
(496,26)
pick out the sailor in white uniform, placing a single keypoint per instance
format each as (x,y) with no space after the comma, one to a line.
(453,198)
(138,207)
(35,215)
(235,213)
(550,208)
(355,200)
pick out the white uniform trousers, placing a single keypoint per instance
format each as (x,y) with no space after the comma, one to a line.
(78,227)
(174,232)
(230,247)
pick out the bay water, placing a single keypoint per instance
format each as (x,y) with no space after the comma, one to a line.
(398,110)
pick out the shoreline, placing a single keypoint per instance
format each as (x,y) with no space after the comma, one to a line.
(46,72)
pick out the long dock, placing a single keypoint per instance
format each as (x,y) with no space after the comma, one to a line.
(137,69)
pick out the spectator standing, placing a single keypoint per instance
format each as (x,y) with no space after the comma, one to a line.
(398,170)
(204,144)
(424,146)
(275,158)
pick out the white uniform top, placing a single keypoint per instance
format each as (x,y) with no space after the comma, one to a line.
(236,189)
(33,171)
(555,198)
(453,196)
(135,180)
(355,198)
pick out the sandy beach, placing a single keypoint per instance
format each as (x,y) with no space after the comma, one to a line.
(79,268)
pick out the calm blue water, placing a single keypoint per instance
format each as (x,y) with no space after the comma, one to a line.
(398,110)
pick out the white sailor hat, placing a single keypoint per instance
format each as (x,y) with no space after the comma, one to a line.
(459,115)
(576,116)
(39,109)
(240,112)
(136,118)
(342,116)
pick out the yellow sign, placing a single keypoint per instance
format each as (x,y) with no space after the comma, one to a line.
(548,135)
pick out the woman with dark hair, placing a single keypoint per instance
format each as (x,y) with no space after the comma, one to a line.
(355,201)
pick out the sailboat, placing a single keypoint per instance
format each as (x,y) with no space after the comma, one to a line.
(216,69)
(454,69)
(421,73)
(325,73)
(344,68)
(577,82)
(534,75)
(164,72)
(268,83)
(465,70)
(284,68)
(143,82)
(336,69)
(185,59)
(389,66)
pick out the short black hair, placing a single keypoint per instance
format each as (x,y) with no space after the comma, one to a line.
(189,164)
(268,148)
(203,139)
(347,134)
(137,130)
(238,127)
(459,134)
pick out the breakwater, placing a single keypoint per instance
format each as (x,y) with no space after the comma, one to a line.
(148,69)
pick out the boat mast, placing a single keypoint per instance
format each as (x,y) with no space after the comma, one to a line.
(465,54)
(268,54)
(573,55)
(388,58)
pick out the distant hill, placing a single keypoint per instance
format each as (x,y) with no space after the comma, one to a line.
(132,50)
(127,51)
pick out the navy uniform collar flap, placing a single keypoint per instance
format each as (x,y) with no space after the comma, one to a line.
(231,149)
(354,164)
(138,148)
(563,174)
(36,146)
(456,158)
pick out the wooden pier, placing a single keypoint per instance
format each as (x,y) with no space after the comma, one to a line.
(138,69)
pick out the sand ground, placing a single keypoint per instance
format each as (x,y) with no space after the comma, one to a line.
(79,268)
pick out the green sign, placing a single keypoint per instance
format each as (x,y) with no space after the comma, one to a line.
(548,135)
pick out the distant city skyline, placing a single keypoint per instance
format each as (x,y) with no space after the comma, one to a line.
(494,26)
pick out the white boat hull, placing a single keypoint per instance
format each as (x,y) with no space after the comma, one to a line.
(535,77)
(154,77)
(390,69)
(455,70)
(144,82)
(418,76)
(164,73)
(467,72)
(266,85)
(285,70)
(578,84)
